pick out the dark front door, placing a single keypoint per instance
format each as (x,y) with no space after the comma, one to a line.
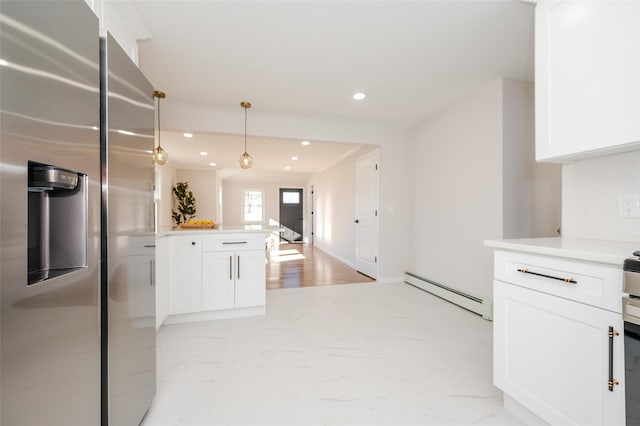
(291,214)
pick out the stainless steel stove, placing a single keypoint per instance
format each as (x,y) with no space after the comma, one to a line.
(631,316)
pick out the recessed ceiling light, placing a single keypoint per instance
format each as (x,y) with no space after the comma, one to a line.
(287,167)
(187,135)
(294,158)
(95,128)
(149,152)
(305,143)
(359,96)
(203,153)
(212,164)
(126,132)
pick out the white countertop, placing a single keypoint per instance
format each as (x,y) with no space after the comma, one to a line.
(601,251)
(221,230)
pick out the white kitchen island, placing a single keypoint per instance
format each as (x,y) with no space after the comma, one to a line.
(558,344)
(208,274)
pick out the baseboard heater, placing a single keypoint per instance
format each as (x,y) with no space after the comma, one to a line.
(483,307)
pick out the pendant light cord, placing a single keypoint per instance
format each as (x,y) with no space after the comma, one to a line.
(159,122)
(245,129)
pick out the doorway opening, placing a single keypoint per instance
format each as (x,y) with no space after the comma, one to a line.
(291,215)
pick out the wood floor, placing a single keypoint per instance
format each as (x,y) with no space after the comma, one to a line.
(302,265)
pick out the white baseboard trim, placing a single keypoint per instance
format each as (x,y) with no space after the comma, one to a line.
(340,258)
(215,315)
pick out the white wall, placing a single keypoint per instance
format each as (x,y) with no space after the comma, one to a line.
(457,187)
(473,179)
(205,189)
(590,190)
(334,207)
(232,200)
(203,183)
(531,191)
(166,178)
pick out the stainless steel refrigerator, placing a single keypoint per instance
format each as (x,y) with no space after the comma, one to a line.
(128,219)
(76,319)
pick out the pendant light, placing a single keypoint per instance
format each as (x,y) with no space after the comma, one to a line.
(160,156)
(246,161)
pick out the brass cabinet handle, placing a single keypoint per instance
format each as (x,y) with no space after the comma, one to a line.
(611,382)
(566,280)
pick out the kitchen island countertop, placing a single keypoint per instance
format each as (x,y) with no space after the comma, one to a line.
(222,230)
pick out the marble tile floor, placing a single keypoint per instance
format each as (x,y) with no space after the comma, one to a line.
(354,354)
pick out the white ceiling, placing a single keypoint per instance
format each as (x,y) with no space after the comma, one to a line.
(271,155)
(309,57)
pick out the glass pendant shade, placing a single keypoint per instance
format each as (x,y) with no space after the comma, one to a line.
(160,156)
(246,161)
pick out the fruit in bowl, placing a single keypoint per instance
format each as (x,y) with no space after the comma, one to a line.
(200,223)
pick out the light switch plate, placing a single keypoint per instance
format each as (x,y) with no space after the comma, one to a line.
(628,205)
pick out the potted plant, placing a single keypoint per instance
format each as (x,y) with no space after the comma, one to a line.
(186,203)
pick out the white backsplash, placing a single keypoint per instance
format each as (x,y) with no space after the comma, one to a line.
(590,190)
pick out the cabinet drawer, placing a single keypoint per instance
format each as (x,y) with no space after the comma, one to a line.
(133,245)
(595,285)
(233,242)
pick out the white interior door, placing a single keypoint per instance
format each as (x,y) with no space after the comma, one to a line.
(367,214)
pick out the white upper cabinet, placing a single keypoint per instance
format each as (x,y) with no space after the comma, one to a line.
(587,78)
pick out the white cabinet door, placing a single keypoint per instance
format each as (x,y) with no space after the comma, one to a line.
(233,279)
(552,356)
(250,278)
(218,283)
(587,71)
(185,275)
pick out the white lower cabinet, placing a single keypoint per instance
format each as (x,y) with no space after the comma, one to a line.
(210,275)
(552,356)
(233,279)
(558,344)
